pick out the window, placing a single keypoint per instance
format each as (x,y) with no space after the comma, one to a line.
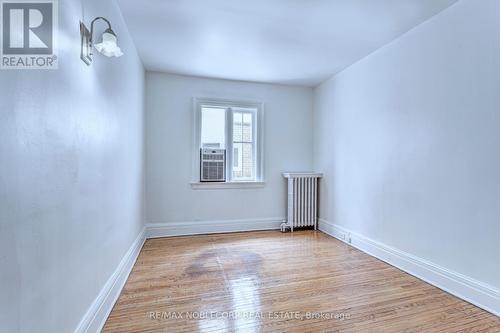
(236,128)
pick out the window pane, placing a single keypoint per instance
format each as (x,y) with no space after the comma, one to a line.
(213,127)
(247,163)
(237,126)
(242,127)
(244,168)
(247,127)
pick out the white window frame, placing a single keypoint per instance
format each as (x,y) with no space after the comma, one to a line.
(258,135)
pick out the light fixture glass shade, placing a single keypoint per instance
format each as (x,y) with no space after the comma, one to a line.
(108,46)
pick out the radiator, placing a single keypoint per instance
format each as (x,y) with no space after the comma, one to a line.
(302,200)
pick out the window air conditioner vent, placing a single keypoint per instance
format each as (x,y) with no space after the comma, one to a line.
(212,165)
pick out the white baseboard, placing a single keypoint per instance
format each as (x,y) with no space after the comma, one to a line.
(95,318)
(478,293)
(155,230)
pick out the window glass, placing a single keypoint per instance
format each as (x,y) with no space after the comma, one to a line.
(213,127)
(242,142)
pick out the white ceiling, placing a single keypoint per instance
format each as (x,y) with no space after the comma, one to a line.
(283,41)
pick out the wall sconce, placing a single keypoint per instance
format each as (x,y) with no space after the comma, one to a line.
(107,46)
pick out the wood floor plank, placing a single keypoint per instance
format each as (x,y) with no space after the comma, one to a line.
(273,282)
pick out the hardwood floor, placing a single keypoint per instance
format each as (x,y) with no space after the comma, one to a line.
(269,282)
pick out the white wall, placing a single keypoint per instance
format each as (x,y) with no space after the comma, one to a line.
(409,138)
(169,134)
(71,177)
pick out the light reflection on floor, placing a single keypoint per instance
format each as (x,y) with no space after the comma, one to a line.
(240,270)
(246,302)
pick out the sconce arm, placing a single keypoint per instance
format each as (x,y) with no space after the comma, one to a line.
(92,26)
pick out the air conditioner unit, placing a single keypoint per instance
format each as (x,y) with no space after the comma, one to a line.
(212,165)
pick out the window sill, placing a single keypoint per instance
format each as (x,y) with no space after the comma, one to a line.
(226,185)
